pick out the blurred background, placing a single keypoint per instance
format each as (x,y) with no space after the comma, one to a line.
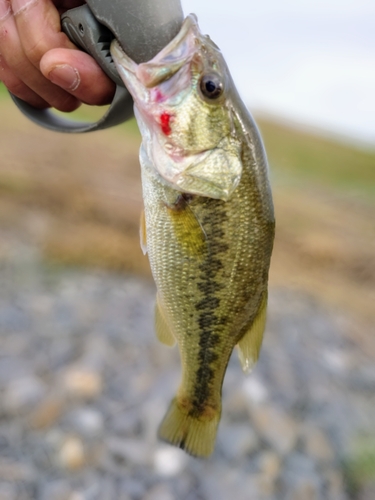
(83,380)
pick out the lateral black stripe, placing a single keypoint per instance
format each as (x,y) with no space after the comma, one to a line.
(210,324)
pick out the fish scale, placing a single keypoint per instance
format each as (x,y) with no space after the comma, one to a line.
(209,224)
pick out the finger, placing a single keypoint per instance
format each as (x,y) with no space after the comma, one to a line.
(75,74)
(39,28)
(17,62)
(18,88)
(76,71)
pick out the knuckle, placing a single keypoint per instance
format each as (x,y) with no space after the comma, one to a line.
(68,106)
(17,88)
(35,51)
(100,96)
(65,103)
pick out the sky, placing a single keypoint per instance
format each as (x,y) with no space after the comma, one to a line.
(309,61)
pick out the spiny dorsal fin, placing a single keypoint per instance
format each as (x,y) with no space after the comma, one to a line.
(163,331)
(142,233)
(250,344)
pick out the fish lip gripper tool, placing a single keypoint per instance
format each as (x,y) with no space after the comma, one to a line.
(142,28)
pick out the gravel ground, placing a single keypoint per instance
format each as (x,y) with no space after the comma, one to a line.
(84,384)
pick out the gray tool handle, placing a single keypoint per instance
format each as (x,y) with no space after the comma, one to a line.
(143,28)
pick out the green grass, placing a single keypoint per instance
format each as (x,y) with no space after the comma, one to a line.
(3,91)
(312,158)
(359,468)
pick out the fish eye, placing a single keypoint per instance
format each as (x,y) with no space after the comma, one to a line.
(211,86)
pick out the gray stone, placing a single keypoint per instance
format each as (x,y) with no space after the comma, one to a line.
(22,394)
(185,485)
(236,406)
(269,464)
(132,488)
(153,412)
(126,422)
(71,454)
(8,492)
(47,412)
(367,491)
(228,483)
(255,390)
(278,428)
(317,444)
(107,490)
(305,489)
(237,441)
(169,461)
(82,382)
(159,492)
(87,422)
(131,451)
(123,496)
(12,367)
(334,484)
(57,490)
(16,471)
(301,479)
(91,491)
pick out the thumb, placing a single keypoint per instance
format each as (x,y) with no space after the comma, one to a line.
(79,74)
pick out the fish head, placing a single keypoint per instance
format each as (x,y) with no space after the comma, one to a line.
(183,108)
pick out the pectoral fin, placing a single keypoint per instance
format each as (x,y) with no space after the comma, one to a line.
(187,228)
(250,343)
(142,233)
(163,331)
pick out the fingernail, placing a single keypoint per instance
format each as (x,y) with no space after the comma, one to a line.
(5,9)
(65,76)
(19,5)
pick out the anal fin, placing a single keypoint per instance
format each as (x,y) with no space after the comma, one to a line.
(251,341)
(163,330)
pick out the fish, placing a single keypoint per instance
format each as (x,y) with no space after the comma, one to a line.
(208,222)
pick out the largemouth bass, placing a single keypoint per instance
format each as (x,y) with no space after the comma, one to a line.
(208,224)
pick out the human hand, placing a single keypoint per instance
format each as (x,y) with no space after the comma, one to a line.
(40,65)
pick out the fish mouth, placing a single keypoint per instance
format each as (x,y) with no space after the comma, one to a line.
(163,66)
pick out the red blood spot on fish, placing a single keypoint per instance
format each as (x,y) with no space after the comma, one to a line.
(165,119)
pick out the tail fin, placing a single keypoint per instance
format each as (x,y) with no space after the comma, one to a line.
(195,435)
